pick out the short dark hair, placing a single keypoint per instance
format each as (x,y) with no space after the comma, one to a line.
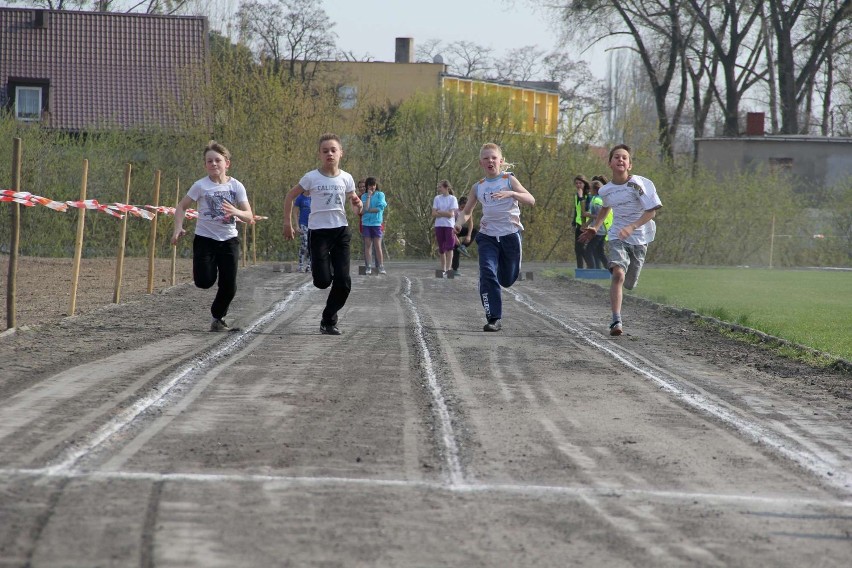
(330,136)
(619,147)
(371,181)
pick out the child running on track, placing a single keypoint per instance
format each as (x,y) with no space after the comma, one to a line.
(499,238)
(216,246)
(634,201)
(328,187)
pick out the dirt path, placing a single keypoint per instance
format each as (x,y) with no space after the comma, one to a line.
(132,436)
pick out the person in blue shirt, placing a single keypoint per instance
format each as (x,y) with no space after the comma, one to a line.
(303,202)
(371,224)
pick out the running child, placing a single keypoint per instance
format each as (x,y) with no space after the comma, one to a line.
(216,246)
(328,229)
(634,202)
(499,238)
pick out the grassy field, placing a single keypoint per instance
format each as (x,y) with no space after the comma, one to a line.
(810,307)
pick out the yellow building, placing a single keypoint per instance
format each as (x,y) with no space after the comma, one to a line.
(366,83)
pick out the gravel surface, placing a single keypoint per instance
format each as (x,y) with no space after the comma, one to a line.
(133,436)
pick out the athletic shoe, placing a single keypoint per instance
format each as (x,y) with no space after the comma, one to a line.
(444,274)
(463,250)
(631,278)
(368,271)
(615,328)
(493,325)
(329,329)
(219,325)
(382,270)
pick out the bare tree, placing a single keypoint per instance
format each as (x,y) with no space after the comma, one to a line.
(654,28)
(806,29)
(165,7)
(521,64)
(426,51)
(469,59)
(294,35)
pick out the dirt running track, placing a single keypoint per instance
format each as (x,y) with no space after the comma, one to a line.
(131,436)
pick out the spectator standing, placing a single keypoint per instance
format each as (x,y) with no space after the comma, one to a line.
(581,206)
(444,208)
(372,221)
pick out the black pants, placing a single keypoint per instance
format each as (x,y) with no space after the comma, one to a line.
(330,267)
(212,260)
(462,234)
(582,251)
(597,246)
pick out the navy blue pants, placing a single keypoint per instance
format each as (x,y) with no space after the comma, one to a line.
(499,265)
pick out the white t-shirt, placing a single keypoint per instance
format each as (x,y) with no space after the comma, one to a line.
(499,216)
(628,202)
(445,203)
(328,198)
(212,221)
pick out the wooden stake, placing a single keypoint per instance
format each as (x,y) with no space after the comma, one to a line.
(174,247)
(771,240)
(245,244)
(152,240)
(12,276)
(122,239)
(253,241)
(78,243)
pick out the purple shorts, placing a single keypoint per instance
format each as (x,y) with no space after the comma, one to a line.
(371,231)
(446,238)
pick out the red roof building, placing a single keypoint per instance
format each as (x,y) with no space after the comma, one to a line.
(81,71)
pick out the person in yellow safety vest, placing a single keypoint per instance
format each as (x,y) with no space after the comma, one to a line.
(581,207)
(598,242)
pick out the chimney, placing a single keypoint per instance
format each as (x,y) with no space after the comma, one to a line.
(404,50)
(755,122)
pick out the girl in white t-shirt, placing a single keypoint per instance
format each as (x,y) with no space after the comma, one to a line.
(216,246)
(444,209)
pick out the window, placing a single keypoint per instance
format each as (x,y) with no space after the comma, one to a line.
(348,95)
(28,98)
(28,103)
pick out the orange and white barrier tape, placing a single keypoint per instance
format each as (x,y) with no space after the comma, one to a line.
(115,209)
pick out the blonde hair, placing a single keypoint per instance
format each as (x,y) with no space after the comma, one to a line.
(505,166)
(218,148)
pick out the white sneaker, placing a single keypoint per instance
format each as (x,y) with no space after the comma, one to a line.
(382,270)
(368,271)
(615,328)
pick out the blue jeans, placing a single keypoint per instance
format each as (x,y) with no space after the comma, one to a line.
(499,265)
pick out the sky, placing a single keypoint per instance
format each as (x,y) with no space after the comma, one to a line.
(372,26)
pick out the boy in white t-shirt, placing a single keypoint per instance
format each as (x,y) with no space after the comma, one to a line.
(328,229)
(216,246)
(634,201)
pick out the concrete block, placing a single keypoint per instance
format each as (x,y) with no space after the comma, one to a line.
(592,273)
(362,270)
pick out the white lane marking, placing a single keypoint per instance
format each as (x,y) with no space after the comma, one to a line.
(235,342)
(451,450)
(497,488)
(825,466)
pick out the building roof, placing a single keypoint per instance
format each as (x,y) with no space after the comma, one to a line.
(104,69)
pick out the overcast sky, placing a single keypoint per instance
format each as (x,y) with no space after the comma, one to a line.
(371,26)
